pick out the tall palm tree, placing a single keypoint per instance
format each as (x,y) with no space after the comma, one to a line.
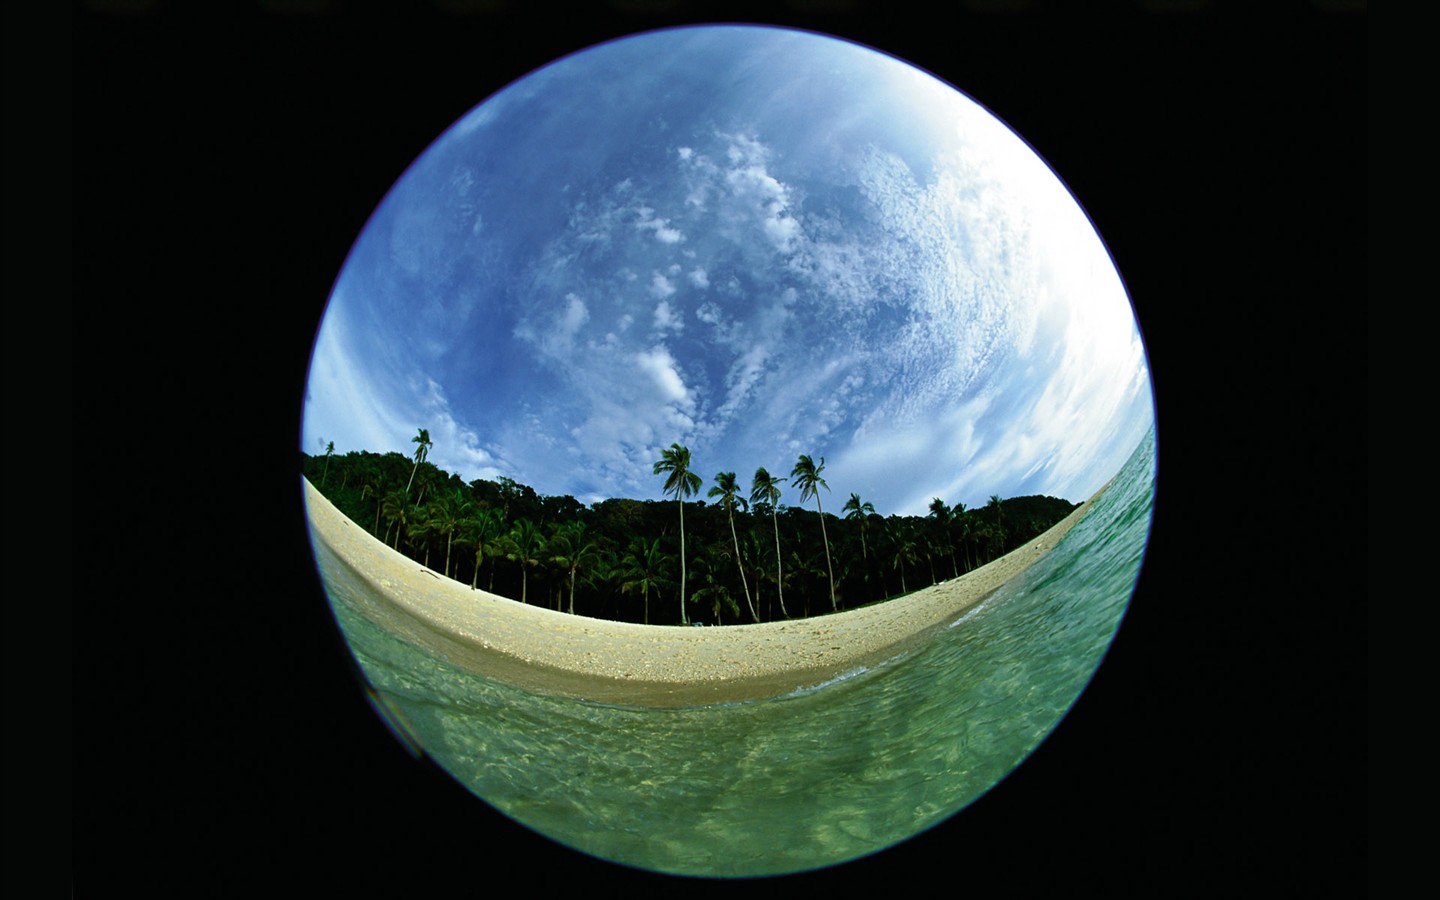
(422,451)
(764,488)
(807,478)
(329,452)
(675,463)
(726,488)
(854,509)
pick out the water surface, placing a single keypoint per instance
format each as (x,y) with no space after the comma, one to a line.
(796,782)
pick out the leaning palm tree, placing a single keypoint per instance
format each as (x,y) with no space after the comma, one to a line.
(807,477)
(765,488)
(726,489)
(681,482)
(329,452)
(421,453)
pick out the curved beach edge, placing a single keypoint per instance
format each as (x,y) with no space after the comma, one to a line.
(643,665)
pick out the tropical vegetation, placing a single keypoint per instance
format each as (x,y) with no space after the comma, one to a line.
(614,558)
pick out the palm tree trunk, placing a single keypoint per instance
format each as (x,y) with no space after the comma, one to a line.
(779,577)
(683,619)
(743,581)
(830,571)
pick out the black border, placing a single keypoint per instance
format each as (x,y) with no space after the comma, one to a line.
(224,161)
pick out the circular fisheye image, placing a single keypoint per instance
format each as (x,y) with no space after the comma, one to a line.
(728,451)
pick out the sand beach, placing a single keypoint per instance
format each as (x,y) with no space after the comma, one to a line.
(643,665)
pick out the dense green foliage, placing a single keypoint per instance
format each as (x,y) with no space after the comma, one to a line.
(621,559)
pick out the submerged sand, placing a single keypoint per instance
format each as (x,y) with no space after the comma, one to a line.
(644,665)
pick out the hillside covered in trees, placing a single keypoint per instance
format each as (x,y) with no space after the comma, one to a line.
(748,555)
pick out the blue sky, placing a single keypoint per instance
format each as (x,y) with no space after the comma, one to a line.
(755,242)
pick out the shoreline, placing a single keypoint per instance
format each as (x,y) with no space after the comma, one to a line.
(625,663)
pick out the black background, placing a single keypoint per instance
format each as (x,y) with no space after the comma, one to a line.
(225,161)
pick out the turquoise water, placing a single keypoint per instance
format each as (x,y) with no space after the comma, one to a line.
(795,782)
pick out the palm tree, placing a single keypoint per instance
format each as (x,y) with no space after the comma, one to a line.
(373,483)
(681,482)
(713,592)
(766,489)
(904,553)
(329,451)
(801,574)
(643,567)
(397,515)
(726,489)
(943,514)
(961,517)
(862,510)
(421,453)
(525,545)
(445,518)
(807,477)
(485,534)
(417,533)
(754,550)
(998,535)
(571,551)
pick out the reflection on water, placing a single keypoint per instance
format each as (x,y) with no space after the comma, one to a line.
(795,782)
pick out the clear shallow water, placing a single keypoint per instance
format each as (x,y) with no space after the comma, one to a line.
(795,782)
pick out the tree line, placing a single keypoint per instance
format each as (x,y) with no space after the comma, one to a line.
(658,562)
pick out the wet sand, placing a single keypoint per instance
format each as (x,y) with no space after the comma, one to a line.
(643,665)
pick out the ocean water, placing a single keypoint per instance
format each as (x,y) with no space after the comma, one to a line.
(792,783)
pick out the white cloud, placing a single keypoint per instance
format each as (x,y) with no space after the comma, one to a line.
(662,229)
(660,367)
(753,187)
(699,278)
(574,316)
(667,319)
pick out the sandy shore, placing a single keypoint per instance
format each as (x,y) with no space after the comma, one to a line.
(643,665)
